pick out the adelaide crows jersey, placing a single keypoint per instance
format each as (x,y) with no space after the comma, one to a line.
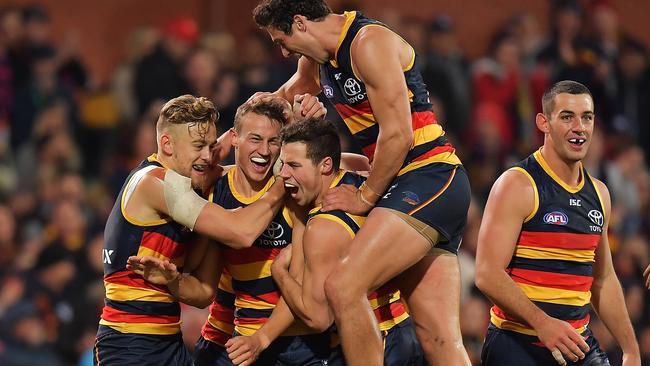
(554,255)
(133,305)
(347,92)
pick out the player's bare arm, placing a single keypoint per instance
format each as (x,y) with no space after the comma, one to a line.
(382,70)
(511,201)
(324,242)
(606,294)
(236,229)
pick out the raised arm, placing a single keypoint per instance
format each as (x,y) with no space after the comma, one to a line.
(511,201)
(606,293)
(378,58)
(323,244)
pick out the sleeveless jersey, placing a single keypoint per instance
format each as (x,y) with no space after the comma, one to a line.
(247,272)
(133,305)
(344,88)
(554,255)
(385,301)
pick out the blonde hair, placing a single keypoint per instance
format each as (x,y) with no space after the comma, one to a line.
(190,110)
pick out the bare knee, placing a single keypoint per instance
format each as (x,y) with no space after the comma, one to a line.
(340,291)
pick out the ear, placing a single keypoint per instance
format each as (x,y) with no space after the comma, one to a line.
(167,144)
(300,21)
(233,138)
(542,123)
(326,166)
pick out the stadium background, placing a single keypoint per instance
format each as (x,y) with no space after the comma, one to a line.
(81,84)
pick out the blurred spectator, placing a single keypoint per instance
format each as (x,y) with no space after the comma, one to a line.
(42,90)
(496,80)
(26,343)
(140,43)
(446,73)
(632,117)
(159,74)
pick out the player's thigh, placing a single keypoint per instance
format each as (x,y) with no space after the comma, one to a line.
(384,247)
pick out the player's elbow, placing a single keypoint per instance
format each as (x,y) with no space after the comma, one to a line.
(482,278)
(240,239)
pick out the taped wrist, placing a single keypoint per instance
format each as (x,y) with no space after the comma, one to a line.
(183,203)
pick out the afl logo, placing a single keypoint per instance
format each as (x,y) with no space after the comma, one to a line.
(274,231)
(328,91)
(351,87)
(556,218)
(596,217)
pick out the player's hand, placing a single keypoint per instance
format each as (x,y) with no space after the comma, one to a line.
(152,269)
(282,261)
(244,350)
(646,275)
(345,197)
(564,342)
(308,106)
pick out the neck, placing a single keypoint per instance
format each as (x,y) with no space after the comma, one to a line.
(326,183)
(165,160)
(246,186)
(331,26)
(568,171)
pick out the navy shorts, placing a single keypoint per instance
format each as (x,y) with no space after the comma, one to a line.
(116,348)
(401,347)
(504,347)
(208,353)
(438,195)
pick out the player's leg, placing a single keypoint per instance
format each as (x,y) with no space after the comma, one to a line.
(434,283)
(384,247)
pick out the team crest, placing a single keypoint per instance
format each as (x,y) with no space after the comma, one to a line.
(410,198)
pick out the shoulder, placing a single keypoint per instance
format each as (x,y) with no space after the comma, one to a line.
(326,228)
(514,193)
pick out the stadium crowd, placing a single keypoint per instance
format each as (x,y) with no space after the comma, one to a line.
(67,144)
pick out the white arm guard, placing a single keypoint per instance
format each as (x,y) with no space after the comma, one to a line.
(183,203)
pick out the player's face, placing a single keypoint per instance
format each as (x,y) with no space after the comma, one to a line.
(257,146)
(297,43)
(194,148)
(571,125)
(302,177)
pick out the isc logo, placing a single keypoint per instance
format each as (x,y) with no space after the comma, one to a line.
(556,218)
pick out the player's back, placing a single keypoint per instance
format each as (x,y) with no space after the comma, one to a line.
(347,92)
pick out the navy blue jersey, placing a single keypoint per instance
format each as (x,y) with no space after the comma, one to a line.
(347,92)
(134,305)
(554,255)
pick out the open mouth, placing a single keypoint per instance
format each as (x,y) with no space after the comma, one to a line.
(200,168)
(260,164)
(291,188)
(577,141)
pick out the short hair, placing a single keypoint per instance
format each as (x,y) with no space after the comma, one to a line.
(564,86)
(279,13)
(272,109)
(319,135)
(190,110)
